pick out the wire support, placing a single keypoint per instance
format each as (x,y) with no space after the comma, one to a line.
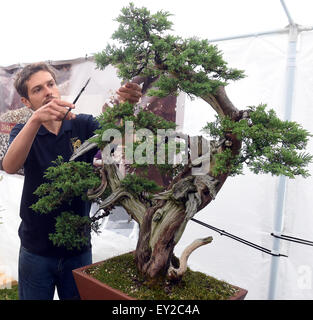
(293,239)
(248,243)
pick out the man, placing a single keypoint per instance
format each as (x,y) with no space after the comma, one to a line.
(34,145)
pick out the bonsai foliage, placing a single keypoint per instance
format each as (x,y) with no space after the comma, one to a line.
(253,137)
(68,180)
(269,145)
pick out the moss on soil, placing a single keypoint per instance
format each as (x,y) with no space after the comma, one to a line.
(120,273)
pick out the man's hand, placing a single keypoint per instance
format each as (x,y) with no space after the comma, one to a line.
(130,92)
(54,110)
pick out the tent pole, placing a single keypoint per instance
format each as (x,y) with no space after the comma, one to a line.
(291,22)
(250,35)
(280,205)
(257,34)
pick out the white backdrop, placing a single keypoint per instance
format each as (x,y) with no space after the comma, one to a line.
(245,206)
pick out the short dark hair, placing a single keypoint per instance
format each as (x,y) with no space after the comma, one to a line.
(23,76)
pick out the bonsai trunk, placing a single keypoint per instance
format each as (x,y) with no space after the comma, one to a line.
(158,237)
(163,223)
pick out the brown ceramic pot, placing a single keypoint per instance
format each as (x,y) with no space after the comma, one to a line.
(92,289)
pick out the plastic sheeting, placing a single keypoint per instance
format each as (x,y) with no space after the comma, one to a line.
(245,206)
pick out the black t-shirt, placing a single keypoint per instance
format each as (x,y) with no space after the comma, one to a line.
(35,227)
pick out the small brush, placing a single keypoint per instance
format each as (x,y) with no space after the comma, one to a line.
(81,91)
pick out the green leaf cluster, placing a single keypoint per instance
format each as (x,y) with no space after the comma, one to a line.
(269,144)
(149,120)
(71,231)
(65,180)
(190,65)
(138,185)
(116,117)
(113,118)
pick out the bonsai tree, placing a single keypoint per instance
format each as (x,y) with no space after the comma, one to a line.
(197,166)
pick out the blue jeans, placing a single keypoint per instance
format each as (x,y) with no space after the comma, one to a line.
(38,276)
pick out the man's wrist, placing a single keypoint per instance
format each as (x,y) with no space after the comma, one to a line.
(35,120)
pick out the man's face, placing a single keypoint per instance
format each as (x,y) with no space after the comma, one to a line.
(41,89)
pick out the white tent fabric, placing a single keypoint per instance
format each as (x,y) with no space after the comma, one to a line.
(245,206)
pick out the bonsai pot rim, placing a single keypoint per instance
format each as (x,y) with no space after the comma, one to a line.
(92,289)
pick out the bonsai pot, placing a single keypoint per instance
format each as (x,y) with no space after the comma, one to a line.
(92,289)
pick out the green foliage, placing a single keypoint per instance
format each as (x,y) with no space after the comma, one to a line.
(113,118)
(66,180)
(116,117)
(269,145)
(149,120)
(138,185)
(226,162)
(190,65)
(71,231)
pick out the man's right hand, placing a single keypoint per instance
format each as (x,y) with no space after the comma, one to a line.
(54,110)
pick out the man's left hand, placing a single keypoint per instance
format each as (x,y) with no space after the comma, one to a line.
(130,92)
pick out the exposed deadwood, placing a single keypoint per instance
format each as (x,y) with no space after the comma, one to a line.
(225,104)
(114,197)
(157,260)
(212,101)
(85,147)
(177,273)
(113,174)
(221,103)
(135,208)
(192,204)
(94,194)
(143,250)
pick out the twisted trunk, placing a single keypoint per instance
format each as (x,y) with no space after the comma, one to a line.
(163,223)
(157,238)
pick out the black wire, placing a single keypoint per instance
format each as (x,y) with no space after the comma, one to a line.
(293,239)
(248,243)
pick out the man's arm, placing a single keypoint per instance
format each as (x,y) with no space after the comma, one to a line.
(19,148)
(53,111)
